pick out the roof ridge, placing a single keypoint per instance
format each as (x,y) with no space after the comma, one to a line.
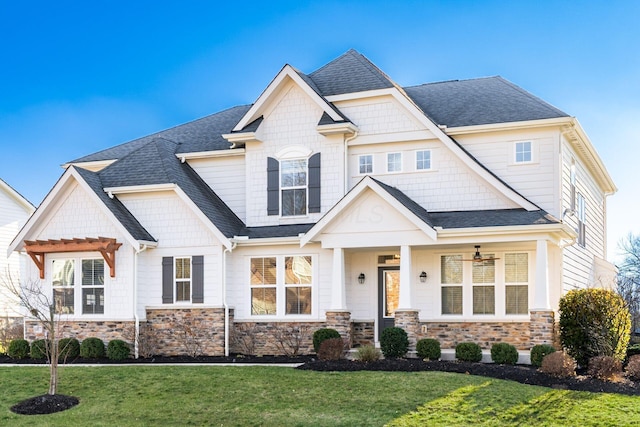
(456,81)
(528,94)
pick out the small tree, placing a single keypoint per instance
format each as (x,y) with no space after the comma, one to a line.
(41,308)
(594,322)
(628,280)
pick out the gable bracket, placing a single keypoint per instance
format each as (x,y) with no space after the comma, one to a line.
(105,245)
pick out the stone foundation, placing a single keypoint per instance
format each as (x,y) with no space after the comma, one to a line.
(273,338)
(105,330)
(484,334)
(409,321)
(542,328)
(341,322)
(363,333)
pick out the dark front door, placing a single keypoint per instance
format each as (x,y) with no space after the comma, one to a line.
(388,296)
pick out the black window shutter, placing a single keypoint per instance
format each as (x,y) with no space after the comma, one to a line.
(273,186)
(167,280)
(314,183)
(197,279)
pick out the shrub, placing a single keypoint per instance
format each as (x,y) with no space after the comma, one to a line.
(39,349)
(368,353)
(69,348)
(321,335)
(394,342)
(604,367)
(18,349)
(428,348)
(468,352)
(504,354)
(118,350)
(559,364)
(92,348)
(594,322)
(632,350)
(538,352)
(331,349)
(633,368)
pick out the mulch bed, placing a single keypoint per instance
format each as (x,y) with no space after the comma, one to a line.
(524,374)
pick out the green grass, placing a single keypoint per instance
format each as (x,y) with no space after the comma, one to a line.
(272,396)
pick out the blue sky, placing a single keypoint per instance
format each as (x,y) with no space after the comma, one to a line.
(77,77)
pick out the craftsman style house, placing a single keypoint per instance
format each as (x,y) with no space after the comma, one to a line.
(459,210)
(14,211)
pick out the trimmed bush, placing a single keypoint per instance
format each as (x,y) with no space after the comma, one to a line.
(38,349)
(468,352)
(559,364)
(18,349)
(69,348)
(538,352)
(368,353)
(92,348)
(633,368)
(504,354)
(604,367)
(394,342)
(594,322)
(632,350)
(118,350)
(428,348)
(331,349)
(323,334)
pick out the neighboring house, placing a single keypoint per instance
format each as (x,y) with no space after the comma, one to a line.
(459,210)
(14,211)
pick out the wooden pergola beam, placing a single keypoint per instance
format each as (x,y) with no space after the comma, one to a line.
(105,245)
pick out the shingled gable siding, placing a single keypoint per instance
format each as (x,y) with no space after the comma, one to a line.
(314,183)
(197,279)
(273,186)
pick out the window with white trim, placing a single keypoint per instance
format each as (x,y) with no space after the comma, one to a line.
(365,164)
(572,184)
(523,153)
(88,283)
(394,162)
(516,277)
(423,160)
(582,216)
(281,285)
(451,280)
(483,277)
(293,187)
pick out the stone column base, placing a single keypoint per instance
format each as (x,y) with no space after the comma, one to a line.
(409,321)
(542,328)
(341,322)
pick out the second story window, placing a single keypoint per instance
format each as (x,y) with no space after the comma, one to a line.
(582,216)
(523,152)
(293,187)
(394,162)
(423,160)
(365,164)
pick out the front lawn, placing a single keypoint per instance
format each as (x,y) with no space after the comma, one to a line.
(272,396)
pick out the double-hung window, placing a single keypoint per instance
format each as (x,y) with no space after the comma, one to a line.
(423,160)
(516,277)
(523,152)
(293,187)
(394,162)
(82,276)
(483,276)
(182,272)
(281,285)
(365,164)
(451,279)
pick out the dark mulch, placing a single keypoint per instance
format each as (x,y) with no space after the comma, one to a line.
(45,404)
(524,374)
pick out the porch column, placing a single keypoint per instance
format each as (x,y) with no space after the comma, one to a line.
(405,300)
(541,290)
(338,291)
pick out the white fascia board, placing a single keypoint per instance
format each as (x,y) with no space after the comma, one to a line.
(24,203)
(558,233)
(211,154)
(206,221)
(94,166)
(139,189)
(241,137)
(266,241)
(287,72)
(462,155)
(337,129)
(496,127)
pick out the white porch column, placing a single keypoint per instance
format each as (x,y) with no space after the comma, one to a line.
(338,291)
(406,296)
(541,289)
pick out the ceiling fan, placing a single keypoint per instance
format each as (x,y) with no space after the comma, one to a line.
(479,258)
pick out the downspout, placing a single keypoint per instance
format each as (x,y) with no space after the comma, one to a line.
(135,300)
(346,159)
(224,297)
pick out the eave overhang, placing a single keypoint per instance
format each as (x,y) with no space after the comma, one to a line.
(342,128)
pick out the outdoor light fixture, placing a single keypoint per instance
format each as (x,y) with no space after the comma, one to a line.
(361,278)
(423,276)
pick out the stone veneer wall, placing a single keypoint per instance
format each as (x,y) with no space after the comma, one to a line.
(185,331)
(105,330)
(273,338)
(484,334)
(363,333)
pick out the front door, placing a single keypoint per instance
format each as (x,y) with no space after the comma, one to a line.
(388,296)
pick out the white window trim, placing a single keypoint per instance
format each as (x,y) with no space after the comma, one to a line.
(77,258)
(534,153)
(372,164)
(430,168)
(175,281)
(387,162)
(295,187)
(281,288)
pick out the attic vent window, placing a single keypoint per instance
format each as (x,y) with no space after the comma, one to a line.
(523,152)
